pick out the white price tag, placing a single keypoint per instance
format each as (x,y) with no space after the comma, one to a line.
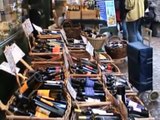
(5,67)
(132,104)
(71,90)
(54,32)
(100,112)
(90,49)
(76,41)
(27,27)
(92,100)
(38,28)
(84,39)
(137,109)
(10,59)
(17,53)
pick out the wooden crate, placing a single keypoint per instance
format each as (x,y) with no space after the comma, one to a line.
(80,54)
(84,103)
(73,14)
(43,65)
(110,103)
(136,99)
(54,58)
(118,105)
(65,117)
(74,58)
(107,58)
(114,66)
(89,14)
(32,44)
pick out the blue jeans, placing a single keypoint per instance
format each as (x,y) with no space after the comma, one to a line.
(124,29)
(133,31)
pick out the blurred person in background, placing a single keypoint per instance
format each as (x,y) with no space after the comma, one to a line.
(61,19)
(123,13)
(35,11)
(135,12)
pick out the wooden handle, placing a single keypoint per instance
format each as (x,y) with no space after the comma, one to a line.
(84,104)
(17,78)
(5,107)
(132,93)
(26,64)
(22,76)
(123,110)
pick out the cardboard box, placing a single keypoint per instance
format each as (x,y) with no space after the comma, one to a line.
(89,14)
(73,14)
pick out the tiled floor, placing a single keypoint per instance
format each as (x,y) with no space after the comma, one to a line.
(154,107)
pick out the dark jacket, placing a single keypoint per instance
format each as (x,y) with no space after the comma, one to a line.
(123,11)
(35,11)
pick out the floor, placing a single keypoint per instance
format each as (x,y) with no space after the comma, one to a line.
(154,107)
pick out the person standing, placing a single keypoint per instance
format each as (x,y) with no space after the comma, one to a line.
(123,13)
(135,11)
(61,20)
(117,10)
(35,12)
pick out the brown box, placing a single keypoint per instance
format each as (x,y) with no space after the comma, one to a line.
(73,14)
(89,14)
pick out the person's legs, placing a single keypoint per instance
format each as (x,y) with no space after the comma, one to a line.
(132,34)
(124,29)
(138,30)
(139,25)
